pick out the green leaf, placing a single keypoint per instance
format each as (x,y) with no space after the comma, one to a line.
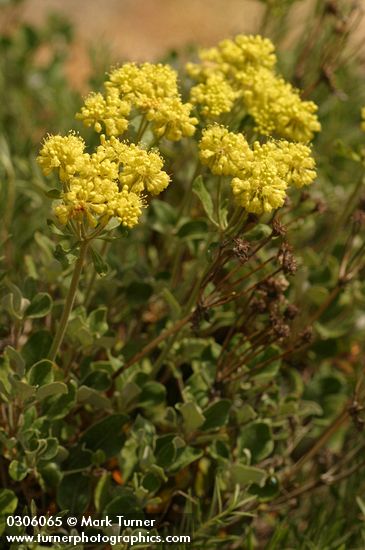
(53,194)
(63,256)
(51,474)
(51,449)
(317,294)
(175,307)
(330,332)
(8,502)
(62,399)
(93,397)
(74,493)
(165,215)
(192,230)
(97,321)
(10,304)
(125,504)
(192,415)
(165,450)
(270,371)
(78,329)
(17,470)
(260,231)
(152,394)
(52,389)
(41,373)
(21,389)
(97,380)
(216,415)
(40,306)
(151,482)
(205,198)
(15,359)
(106,435)
(103,491)
(184,458)
(37,347)
(243,475)
(268,491)
(100,265)
(343,150)
(245,414)
(256,437)
(138,293)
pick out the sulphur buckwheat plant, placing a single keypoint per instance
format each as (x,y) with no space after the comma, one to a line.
(181,291)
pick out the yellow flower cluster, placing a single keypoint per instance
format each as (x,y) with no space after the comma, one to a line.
(214,95)
(223,151)
(232,56)
(110,111)
(63,153)
(246,65)
(107,183)
(149,89)
(261,175)
(277,107)
(145,84)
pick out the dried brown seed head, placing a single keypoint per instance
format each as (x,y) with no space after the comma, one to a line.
(305,337)
(278,228)
(291,312)
(241,249)
(287,259)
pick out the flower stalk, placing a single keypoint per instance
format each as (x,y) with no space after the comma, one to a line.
(70,299)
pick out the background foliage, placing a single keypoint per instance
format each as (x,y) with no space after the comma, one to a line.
(147,412)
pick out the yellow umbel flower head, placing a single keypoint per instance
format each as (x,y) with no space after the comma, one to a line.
(247,50)
(127,207)
(230,56)
(63,153)
(260,187)
(246,66)
(145,84)
(363,118)
(171,119)
(152,90)
(142,170)
(148,89)
(108,183)
(215,96)
(277,107)
(297,163)
(223,151)
(261,184)
(110,112)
